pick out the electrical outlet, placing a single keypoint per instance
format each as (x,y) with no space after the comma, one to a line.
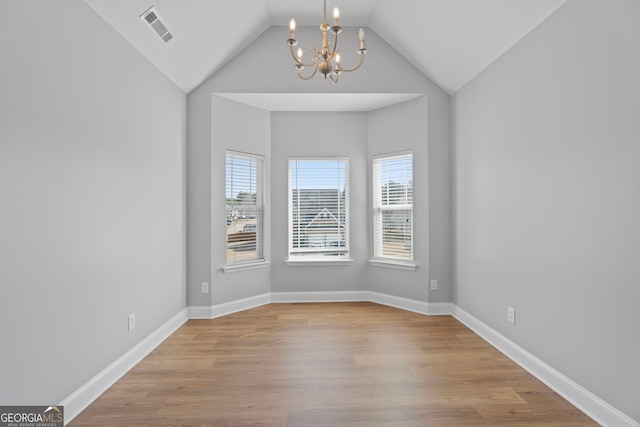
(132,321)
(434,284)
(511,315)
(205,288)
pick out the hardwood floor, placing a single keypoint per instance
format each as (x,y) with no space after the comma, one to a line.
(328,364)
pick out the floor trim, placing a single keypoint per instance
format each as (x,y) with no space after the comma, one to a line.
(587,402)
(420,307)
(79,400)
(344,296)
(596,408)
(200,312)
(440,309)
(239,305)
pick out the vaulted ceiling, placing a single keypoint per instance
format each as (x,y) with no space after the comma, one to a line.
(451,41)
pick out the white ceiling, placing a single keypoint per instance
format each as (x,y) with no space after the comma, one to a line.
(451,41)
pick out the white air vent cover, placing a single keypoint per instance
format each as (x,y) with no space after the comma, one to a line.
(152,19)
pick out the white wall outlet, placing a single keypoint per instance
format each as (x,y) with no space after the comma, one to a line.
(511,315)
(205,288)
(434,284)
(132,321)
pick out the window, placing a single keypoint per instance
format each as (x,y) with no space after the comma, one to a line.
(319,209)
(245,207)
(393,207)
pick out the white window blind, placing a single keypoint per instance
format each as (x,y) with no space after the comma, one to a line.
(393,206)
(245,207)
(319,208)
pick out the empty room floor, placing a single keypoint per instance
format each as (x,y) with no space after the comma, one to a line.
(328,364)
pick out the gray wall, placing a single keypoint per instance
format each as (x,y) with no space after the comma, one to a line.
(92,198)
(392,129)
(384,71)
(547,200)
(298,135)
(92,182)
(242,128)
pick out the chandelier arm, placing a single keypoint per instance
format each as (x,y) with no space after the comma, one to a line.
(315,70)
(314,62)
(348,70)
(335,45)
(326,60)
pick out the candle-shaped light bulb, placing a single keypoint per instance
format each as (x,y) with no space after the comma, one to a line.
(361,35)
(336,15)
(337,58)
(292,28)
(299,54)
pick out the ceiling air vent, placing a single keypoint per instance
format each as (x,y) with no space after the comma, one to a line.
(152,19)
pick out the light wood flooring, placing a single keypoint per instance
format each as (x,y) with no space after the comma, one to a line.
(328,364)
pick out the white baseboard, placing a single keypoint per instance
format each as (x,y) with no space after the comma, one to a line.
(85,395)
(440,309)
(348,296)
(200,312)
(355,296)
(584,400)
(596,408)
(213,311)
(420,307)
(239,305)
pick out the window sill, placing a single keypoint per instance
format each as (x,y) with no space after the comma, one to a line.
(317,262)
(234,268)
(399,265)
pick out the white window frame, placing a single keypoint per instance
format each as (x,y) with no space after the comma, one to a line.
(256,181)
(379,176)
(340,255)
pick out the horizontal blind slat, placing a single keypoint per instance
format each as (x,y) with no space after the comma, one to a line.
(245,207)
(318,207)
(393,206)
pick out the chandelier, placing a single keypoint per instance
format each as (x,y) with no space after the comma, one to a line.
(325,60)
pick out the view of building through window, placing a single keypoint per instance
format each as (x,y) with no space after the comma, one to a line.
(393,206)
(245,207)
(318,208)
